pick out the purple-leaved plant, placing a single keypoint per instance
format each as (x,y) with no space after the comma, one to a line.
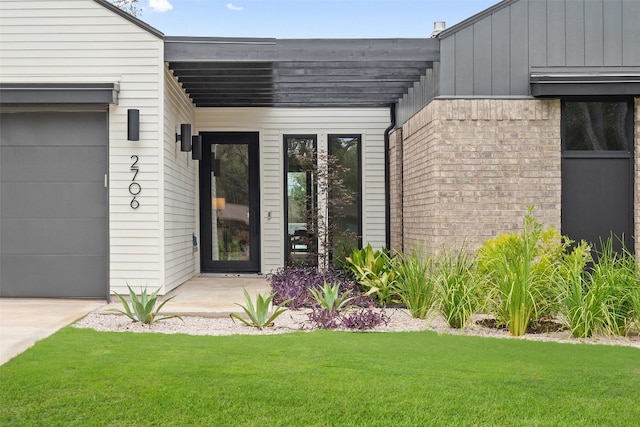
(295,282)
(361,319)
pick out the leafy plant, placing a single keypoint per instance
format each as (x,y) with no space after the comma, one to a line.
(365,319)
(455,287)
(295,284)
(143,309)
(518,279)
(361,319)
(415,284)
(580,304)
(260,314)
(329,297)
(375,271)
(617,276)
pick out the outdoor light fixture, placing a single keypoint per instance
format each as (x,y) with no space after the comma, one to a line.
(184,137)
(133,125)
(196,147)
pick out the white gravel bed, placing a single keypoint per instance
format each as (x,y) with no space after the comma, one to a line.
(297,320)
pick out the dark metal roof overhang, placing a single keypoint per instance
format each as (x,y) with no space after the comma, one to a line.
(59,93)
(604,81)
(224,72)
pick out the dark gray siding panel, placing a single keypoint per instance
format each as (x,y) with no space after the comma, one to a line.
(500,52)
(631,33)
(447,66)
(556,48)
(593,39)
(482,58)
(53,204)
(537,33)
(464,61)
(519,38)
(575,33)
(528,34)
(612,13)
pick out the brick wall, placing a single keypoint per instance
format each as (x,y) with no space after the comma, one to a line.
(395,188)
(472,166)
(637,178)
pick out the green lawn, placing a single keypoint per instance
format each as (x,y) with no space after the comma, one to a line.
(80,377)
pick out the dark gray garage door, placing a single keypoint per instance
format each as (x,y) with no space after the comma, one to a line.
(53,204)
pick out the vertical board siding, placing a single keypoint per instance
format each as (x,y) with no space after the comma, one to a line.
(180,190)
(80,41)
(272,124)
(524,34)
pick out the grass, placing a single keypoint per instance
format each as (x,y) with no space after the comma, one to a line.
(80,377)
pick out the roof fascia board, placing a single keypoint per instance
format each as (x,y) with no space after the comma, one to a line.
(205,49)
(148,28)
(475,18)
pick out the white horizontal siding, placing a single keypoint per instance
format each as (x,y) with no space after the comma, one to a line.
(273,123)
(80,41)
(180,189)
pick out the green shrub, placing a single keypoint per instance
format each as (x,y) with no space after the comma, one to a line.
(518,271)
(142,309)
(457,298)
(260,315)
(375,272)
(415,284)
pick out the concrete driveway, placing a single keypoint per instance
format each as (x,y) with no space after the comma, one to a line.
(25,321)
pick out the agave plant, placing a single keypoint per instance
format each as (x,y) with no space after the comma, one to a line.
(330,298)
(143,309)
(259,314)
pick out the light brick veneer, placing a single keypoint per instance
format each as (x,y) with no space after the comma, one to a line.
(637,178)
(470,167)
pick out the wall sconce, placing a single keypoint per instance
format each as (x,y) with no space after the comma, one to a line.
(196,147)
(184,137)
(133,125)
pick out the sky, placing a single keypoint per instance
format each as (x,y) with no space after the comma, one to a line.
(306,18)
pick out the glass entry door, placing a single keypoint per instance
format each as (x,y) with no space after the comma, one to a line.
(229,202)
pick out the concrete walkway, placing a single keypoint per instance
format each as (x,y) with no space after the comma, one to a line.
(23,322)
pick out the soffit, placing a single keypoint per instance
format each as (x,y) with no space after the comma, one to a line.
(224,72)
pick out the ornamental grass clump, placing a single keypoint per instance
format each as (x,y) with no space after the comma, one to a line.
(518,271)
(599,295)
(143,309)
(415,284)
(456,290)
(616,276)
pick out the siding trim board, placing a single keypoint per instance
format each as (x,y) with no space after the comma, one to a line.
(59,93)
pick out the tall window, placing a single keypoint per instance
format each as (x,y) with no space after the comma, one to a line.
(345,195)
(301,200)
(323,202)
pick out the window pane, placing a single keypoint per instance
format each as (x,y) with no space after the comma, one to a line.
(596,126)
(344,194)
(301,200)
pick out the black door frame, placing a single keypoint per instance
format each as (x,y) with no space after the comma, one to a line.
(207,265)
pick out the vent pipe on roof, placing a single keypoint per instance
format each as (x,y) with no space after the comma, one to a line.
(438,27)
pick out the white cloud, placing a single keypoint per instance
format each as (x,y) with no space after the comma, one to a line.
(160,5)
(232,6)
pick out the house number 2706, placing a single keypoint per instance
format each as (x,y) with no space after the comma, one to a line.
(134,187)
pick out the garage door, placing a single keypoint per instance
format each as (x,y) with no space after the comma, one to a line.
(53,204)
